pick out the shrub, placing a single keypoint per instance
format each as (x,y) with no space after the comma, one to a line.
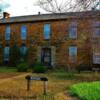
(86,90)
(39,68)
(22,67)
(96,65)
(83,67)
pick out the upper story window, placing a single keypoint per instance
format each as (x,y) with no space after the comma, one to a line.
(47,31)
(73,30)
(7,33)
(23,32)
(73,53)
(96,29)
(6,53)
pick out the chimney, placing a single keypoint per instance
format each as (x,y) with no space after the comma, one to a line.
(39,13)
(6,15)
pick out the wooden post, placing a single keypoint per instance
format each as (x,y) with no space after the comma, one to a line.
(44,79)
(28,85)
(45,87)
(28,82)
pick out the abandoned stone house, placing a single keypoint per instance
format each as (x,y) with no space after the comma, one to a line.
(55,39)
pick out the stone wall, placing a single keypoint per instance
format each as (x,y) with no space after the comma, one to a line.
(58,43)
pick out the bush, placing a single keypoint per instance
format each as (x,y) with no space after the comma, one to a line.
(39,68)
(83,67)
(86,91)
(22,67)
(96,65)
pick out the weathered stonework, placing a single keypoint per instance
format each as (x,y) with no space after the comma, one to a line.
(59,41)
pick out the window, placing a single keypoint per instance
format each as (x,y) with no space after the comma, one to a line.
(23,32)
(96,58)
(47,31)
(0,46)
(6,53)
(7,33)
(23,50)
(72,52)
(96,29)
(73,30)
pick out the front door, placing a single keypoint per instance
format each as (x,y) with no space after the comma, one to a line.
(46,56)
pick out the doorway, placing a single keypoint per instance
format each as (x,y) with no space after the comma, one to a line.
(46,56)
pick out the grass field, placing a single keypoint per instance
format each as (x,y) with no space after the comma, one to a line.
(4,69)
(16,87)
(87,91)
(59,83)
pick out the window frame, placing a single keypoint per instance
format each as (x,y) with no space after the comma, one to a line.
(73,57)
(47,36)
(96,29)
(8,33)
(23,51)
(24,34)
(73,30)
(95,61)
(6,53)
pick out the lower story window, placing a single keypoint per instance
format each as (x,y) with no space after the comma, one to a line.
(96,58)
(6,53)
(73,53)
(23,50)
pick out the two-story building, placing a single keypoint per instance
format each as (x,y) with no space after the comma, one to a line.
(53,39)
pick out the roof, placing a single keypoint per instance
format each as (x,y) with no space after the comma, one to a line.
(55,16)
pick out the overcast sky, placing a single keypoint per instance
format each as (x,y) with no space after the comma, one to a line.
(22,7)
(26,7)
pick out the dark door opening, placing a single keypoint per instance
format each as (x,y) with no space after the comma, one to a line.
(46,56)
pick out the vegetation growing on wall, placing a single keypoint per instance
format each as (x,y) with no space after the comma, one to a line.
(15,54)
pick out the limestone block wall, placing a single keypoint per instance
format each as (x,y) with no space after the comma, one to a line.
(59,41)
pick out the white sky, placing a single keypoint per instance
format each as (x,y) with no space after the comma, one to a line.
(23,7)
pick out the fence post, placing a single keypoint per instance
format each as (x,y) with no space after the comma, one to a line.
(28,82)
(45,83)
(45,87)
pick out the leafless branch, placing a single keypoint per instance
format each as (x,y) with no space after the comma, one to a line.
(59,6)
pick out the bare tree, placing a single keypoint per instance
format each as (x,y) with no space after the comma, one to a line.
(59,6)
(88,4)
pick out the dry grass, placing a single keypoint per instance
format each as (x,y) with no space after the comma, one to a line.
(15,87)
(8,75)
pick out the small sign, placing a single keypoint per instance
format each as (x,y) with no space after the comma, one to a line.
(34,78)
(44,79)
